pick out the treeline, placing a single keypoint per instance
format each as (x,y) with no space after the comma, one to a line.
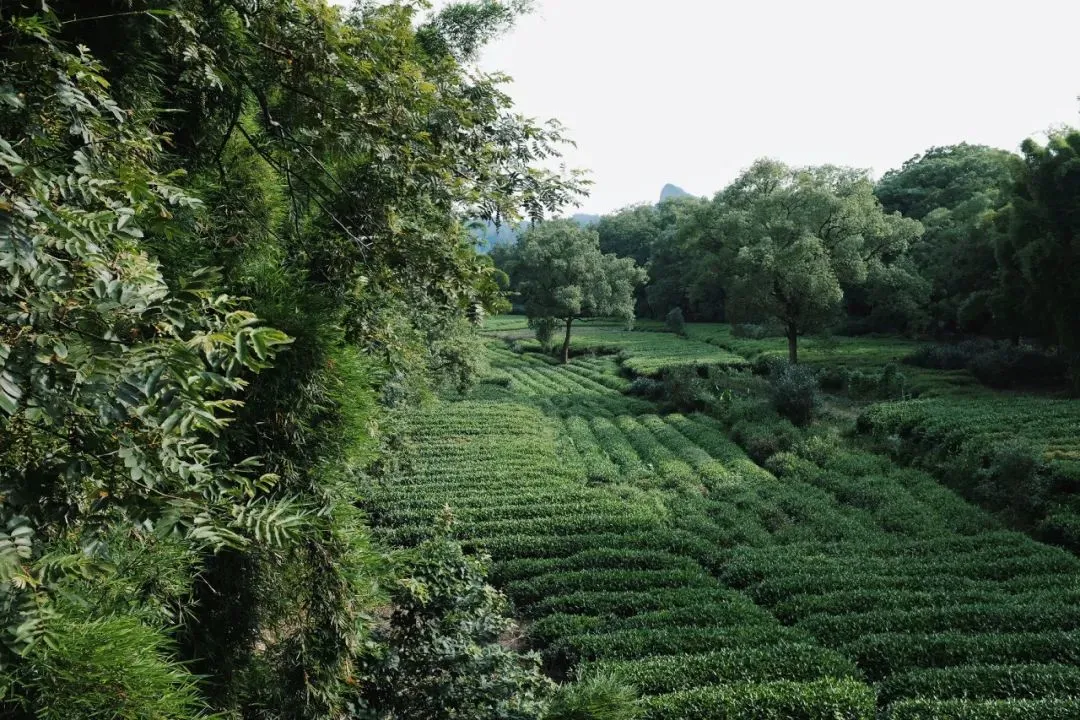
(962,241)
(231,231)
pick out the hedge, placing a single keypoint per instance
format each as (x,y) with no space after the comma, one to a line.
(627,603)
(606,558)
(533,589)
(783,661)
(984,710)
(984,682)
(885,654)
(630,644)
(838,629)
(817,700)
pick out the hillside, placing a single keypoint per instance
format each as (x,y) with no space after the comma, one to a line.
(672,192)
(649,545)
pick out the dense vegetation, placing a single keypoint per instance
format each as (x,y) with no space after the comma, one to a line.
(961,242)
(265,454)
(229,233)
(726,562)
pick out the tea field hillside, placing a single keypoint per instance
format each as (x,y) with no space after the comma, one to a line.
(724,562)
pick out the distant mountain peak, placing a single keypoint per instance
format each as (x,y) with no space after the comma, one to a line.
(672,191)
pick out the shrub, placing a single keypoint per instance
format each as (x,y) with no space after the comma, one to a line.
(765,364)
(1002,617)
(686,390)
(795,393)
(784,661)
(835,378)
(1008,474)
(753,331)
(567,582)
(442,657)
(946,357)
(818,700)
(598,697)
(675,322)
(631,644)
(629,603)
(998,365)
(1061,527)
(885,654)
(984,682)
(1009,365)
(648,388)
(608,558)
(544,328)
(985,710)
(762,440)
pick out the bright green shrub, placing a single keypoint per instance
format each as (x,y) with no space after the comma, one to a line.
(816,700)
(561,545)
(839,602)
(783,661)
(595,698)
(116,668)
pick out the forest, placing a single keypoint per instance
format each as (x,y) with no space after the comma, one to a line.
(279,439)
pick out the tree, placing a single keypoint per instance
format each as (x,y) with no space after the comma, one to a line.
(177,443)
(954,191)
(565,276)
(1040,254)
(789,239)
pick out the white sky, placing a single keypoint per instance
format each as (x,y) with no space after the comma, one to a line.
(692,91)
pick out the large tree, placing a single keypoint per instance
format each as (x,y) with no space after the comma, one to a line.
(789,240)
(564,276)
(954,191)
(1040,254)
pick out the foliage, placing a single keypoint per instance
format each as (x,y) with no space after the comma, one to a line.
(791,239)
(619,534)
(1039,254)
(795,393)
(207,424)
(675,322)
(565,276)
(955,192)
(597,697)
(818,700)
(442,656)
(115,667)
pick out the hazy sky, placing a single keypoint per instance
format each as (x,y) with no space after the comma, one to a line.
(692,91)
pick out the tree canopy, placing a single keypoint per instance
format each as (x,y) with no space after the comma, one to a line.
(230,232)
(1040,252)
(789,239)
(564,276)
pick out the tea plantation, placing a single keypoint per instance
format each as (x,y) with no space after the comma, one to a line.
(828,581)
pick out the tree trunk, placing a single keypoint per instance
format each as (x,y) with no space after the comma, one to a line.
(792,344)
(566,342)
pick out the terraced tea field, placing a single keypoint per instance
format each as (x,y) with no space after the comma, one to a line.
(643,353)
(651,548)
